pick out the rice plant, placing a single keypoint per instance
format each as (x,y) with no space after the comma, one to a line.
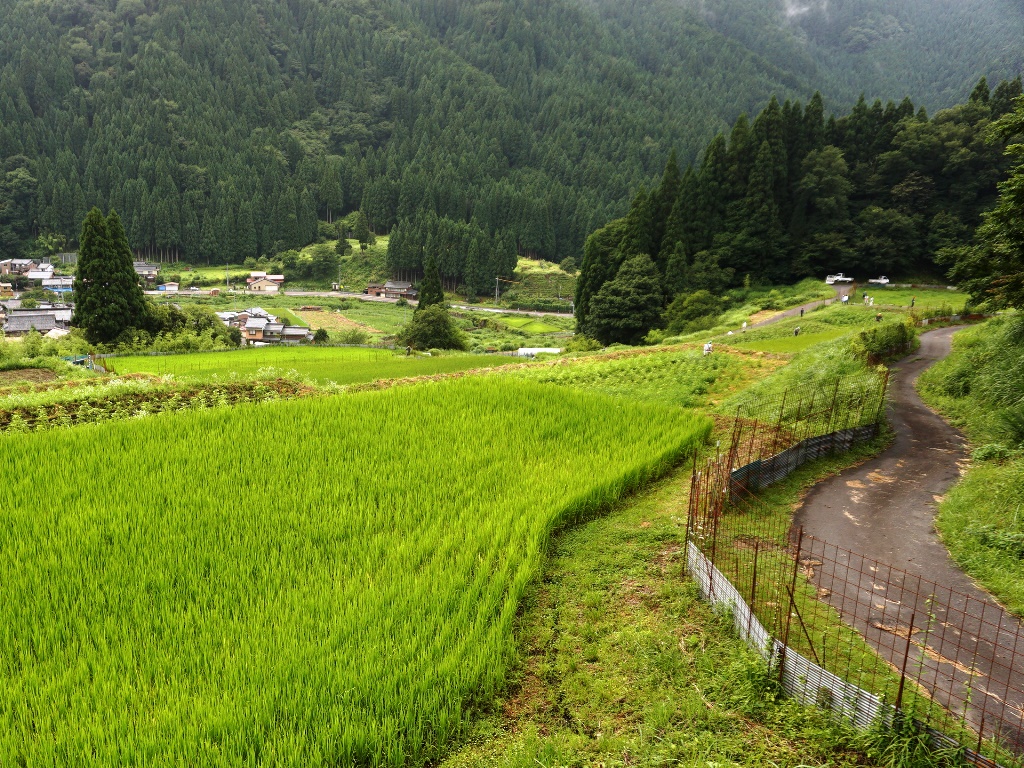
(322,582)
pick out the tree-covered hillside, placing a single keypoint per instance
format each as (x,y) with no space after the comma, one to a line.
(221,130)
(884,189)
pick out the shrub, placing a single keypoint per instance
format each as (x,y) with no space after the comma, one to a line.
(888,340)
(320,337)
(581,343)
(354,336)
(990,452)
(432,328)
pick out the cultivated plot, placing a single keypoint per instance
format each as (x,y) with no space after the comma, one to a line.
(326,582)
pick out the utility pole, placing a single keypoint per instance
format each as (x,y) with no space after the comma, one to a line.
(496,289)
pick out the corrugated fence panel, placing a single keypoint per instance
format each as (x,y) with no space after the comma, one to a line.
(763,472)
(802,679)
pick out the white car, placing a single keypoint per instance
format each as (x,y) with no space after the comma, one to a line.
(883,280)
(838,278)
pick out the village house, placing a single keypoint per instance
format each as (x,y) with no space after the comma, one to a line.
(6,290)
(264,285)
(40,272)
(21,321)
(62,284)
(260,328)
(146,271)
(255,276)
(392,289)
(17,266)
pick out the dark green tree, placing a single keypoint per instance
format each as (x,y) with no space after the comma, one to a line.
(430,292)
(108,299)
(992,269)
(627,307)
(361,230)
(432,328)
(686,308)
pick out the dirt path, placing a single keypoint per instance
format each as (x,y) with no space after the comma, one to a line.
(884,510)
(841,290)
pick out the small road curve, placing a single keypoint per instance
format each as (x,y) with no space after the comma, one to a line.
(884,510)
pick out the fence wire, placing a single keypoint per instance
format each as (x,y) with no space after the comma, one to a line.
(861,638)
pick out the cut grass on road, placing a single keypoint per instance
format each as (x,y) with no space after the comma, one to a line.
(341,365)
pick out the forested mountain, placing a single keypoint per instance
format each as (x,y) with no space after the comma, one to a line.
(221,130)
(791,195)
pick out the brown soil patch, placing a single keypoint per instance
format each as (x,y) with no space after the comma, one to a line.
(332,321)
(764,314)
(26,375)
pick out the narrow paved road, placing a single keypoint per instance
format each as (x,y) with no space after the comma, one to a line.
(884,511)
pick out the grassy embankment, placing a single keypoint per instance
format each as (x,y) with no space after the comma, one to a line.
(980,388)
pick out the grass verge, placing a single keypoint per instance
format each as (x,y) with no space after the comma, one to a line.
(980,389)
(620,663)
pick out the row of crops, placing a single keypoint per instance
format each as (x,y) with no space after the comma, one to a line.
(327,581)
(55,407)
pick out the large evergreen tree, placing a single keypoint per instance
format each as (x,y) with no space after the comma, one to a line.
(430,292)
(991,269)
(628,306)
(108,299)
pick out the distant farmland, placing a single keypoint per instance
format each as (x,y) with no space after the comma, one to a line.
(325,582)
(342,365)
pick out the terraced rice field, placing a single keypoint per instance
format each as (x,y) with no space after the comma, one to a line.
(342,365)
(325,582)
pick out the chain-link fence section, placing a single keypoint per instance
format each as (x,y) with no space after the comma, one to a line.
(865,640)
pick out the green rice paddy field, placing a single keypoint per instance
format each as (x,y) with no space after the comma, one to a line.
(341,365)
(325,582)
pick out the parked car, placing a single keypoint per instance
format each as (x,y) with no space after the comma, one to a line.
(838,278)
(883,280)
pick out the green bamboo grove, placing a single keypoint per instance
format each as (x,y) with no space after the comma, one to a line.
(331,581)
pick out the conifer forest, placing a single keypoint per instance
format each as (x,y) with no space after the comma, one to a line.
(479,131)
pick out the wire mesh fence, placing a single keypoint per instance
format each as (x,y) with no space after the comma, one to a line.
(845,632)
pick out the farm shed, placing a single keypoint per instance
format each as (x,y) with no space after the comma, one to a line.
(265,285)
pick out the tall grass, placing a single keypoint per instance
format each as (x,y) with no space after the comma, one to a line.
(980,387)
(331,582)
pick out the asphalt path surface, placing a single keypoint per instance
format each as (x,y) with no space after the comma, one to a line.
(840,289)
(884,511)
